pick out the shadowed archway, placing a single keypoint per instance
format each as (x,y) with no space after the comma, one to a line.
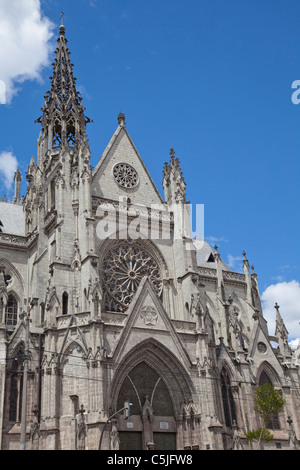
(156,384)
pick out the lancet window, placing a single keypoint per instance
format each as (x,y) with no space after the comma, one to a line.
(227,399)
(16,387)
(65,301)
(11,311)
(274,422)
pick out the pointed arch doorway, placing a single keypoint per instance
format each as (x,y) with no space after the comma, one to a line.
(152,420)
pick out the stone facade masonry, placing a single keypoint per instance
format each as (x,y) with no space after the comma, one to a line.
(170,329)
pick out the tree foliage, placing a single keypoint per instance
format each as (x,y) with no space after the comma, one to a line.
(260,434)
(268,402)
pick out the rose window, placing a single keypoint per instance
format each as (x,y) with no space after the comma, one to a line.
(125,175)
(124,266)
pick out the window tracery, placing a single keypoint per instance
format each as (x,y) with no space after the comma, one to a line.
(125,175)
(124,266)
(227,399)
(11,311)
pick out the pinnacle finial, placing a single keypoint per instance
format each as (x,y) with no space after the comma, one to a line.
(121,119)
(17,175)
(172,153)
(245,262)
(276,306)
(62,26)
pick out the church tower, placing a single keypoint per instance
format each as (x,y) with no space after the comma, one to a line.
(63,120)
(58,200)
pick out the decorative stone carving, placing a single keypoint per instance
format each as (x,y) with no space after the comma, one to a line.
(149,315)
(173,180)
(262,348)
(197,309)
(76,262)
(35,431)
(236,440)
(114,436)
(124,266)
(81,429)
(235,327)
(125,175)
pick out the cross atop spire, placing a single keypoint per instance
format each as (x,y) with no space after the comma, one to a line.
(62,26)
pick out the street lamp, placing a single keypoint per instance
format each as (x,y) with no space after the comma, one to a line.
(25,316)
(127,414)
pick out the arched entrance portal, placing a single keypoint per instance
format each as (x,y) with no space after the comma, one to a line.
(152,419)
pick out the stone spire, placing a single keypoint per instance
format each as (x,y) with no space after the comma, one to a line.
(63,120)
(173,181)
(220,285)
(3,296)
(17,180)
(246,267)
(255,280)
(281,334)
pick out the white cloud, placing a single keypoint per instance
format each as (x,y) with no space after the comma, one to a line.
(235,262)
(212,240)
(24,39)
(294,343)
(8,167)
(287,296)
(277,278)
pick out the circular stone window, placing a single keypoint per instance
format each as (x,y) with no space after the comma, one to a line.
(125,175)
(262,348)
(124,266)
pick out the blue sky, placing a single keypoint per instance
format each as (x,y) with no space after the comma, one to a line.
(212,79)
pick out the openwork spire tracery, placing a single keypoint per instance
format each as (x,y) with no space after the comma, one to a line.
(63,120)
(174,184)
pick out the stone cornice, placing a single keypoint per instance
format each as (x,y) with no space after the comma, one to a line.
(18,242)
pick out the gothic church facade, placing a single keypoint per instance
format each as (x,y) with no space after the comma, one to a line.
(158,321)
